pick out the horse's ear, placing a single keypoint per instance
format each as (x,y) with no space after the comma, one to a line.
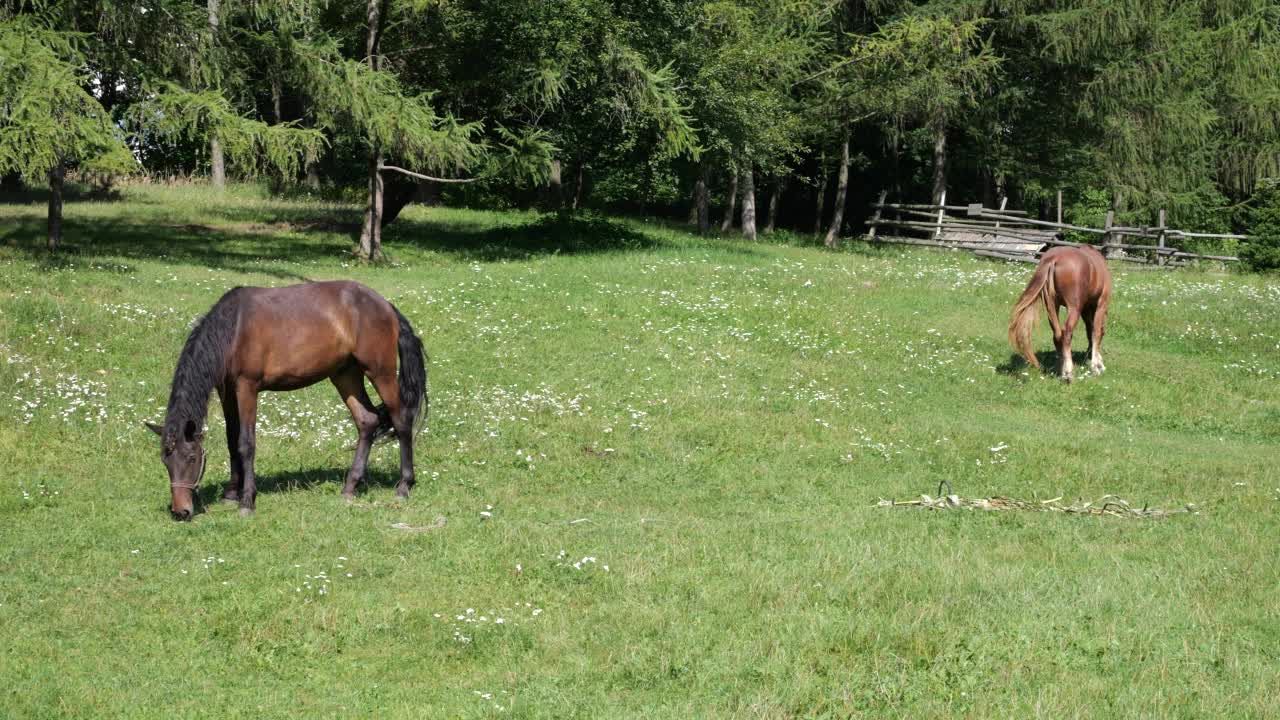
(155,428)
(191,433)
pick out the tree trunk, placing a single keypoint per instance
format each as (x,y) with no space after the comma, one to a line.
(939,162)
(774,199)
(733,202)
(577,185)
(700,200)
(56,176)
(896,167)
(311,165)
(554,199)
(749,204)
(277,179)
(217,164)
(371,231)
(822,196)
(276,91)
(693,205)
(646,185)
(842,188)
(313,175)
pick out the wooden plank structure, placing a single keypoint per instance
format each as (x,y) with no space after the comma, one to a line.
(1012,235)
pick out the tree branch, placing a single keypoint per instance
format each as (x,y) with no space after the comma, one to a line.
(833,68)
(427,177)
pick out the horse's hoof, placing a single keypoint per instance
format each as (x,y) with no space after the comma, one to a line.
(246,512)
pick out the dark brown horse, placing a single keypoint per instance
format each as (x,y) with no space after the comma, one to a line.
(256,339)
(1073,277)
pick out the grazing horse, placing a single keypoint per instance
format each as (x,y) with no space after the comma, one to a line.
(1076,278)
(256,339)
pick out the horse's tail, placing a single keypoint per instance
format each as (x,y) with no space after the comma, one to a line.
(412,381)
(1025,313)
(413,375)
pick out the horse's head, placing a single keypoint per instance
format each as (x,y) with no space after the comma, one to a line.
(183,454)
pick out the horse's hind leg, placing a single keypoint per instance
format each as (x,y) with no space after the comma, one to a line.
(1055,324)
(350,385)
(1097,328)
(1064,347)
(231,414)
(389,390)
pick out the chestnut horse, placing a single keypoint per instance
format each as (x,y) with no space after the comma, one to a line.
(256,339)
(1076,278)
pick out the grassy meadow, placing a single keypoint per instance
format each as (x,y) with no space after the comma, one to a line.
(648,487)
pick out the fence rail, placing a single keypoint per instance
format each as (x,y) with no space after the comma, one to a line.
(1011,235)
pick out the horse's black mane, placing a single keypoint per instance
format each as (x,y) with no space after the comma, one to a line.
(200,366)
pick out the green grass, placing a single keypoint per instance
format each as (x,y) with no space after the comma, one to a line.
(713,420)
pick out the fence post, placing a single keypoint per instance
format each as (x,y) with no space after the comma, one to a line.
(1003,202)
(1109,239)
(942,211)
(1059,207)
(1160,256)
(875,219)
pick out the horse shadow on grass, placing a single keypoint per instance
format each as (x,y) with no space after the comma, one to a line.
(1049,362)
(210,493)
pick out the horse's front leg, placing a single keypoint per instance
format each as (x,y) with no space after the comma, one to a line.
(231,415)
(247,404)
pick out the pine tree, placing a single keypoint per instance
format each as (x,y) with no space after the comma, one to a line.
(1176,97)
(48,122)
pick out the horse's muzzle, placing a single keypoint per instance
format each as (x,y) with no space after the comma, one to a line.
(180,515)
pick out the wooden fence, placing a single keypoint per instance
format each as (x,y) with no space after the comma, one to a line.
(1011,235)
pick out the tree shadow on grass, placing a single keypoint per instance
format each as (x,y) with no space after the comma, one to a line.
(476,239)
(72,192)
(267,240)
(237,250)
(559,234)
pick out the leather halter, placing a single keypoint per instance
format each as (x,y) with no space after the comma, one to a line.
(204,458)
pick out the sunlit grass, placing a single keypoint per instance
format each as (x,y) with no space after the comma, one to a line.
(656,458)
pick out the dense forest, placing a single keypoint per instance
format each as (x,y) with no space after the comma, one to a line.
(747,115)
